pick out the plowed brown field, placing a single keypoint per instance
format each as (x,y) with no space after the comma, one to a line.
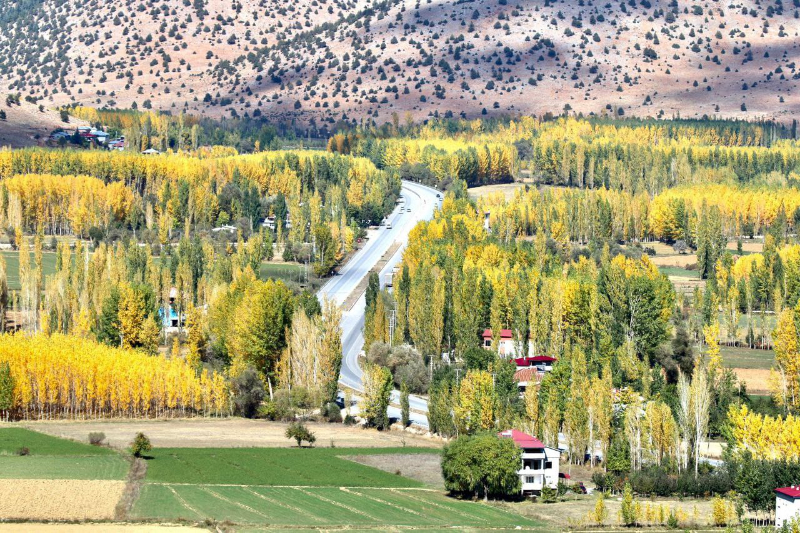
(58,499)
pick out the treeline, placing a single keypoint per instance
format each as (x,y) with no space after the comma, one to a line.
(164,131)
(434,162)
(676,214)
(57,376)
(173,191)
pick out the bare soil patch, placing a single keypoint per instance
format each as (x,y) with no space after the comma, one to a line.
(91,528)
(426,468)
(61,499)
(756,379)
(747,246)
(226,433)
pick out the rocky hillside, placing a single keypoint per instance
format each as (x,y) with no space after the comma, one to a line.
(320,60)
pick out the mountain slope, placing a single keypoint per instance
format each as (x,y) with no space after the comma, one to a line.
(317,60)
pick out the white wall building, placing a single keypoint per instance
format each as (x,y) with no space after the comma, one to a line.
(787,504)
(539,463)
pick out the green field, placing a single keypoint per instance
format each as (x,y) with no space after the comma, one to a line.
(286,272)
(679,272)
(312,467)
(12,439)
(319,506)
(259,487)
(53,458)
(743,357)
(313,487)
(12,267)
(63,467)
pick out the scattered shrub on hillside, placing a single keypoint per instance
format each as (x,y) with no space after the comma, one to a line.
(23,451)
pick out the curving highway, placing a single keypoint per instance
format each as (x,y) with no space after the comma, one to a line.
(422,202)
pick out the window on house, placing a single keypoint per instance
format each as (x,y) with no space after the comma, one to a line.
(537,464)
(487,343)
(530,479)
(548,464)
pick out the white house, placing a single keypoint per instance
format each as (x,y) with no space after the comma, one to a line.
(787,504)
(539,463)
(506,348)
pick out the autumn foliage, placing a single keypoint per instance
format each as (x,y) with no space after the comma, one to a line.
(60,376)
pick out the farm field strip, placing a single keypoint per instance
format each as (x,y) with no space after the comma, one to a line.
(275,467)
(63,467)
(317,506)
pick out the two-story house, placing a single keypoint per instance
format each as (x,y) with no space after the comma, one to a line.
(539,466)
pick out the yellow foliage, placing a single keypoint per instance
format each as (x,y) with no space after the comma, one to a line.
(60,376)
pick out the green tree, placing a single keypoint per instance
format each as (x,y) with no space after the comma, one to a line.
(6,389)
(375,400)
(140,445)
(482,465)
(299,432)
(325,250)
(630,507)
(405,407)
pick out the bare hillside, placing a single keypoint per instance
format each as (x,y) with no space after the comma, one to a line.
(28,125)
(320,60)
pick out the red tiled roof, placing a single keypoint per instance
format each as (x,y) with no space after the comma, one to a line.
(504,334)
(792,492)
(527,361)
(523,439)
(526,375)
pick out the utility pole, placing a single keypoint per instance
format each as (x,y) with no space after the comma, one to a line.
(392,323)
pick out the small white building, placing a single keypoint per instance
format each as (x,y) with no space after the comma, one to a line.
(787,505)
(539,463)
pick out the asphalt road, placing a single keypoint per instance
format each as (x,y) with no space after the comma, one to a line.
(422,202)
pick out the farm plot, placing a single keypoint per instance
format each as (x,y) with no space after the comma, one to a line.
(316,488)
(319,507)
(313,467)
(45,478)
(65,499)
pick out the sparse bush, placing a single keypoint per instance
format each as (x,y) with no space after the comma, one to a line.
(96,438)
(23,451)
(331,412)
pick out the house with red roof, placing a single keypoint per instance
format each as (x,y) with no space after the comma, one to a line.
(787,505)
(539,466)
(506,347)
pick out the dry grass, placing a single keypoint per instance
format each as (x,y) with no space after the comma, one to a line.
(756,379)
(506,189)
(426,468)
(674,260)
(227,433)
(575,510)
(62,499)
(91,528)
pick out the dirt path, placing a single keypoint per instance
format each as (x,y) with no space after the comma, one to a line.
(132,487)
(225,433)
(422,467)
